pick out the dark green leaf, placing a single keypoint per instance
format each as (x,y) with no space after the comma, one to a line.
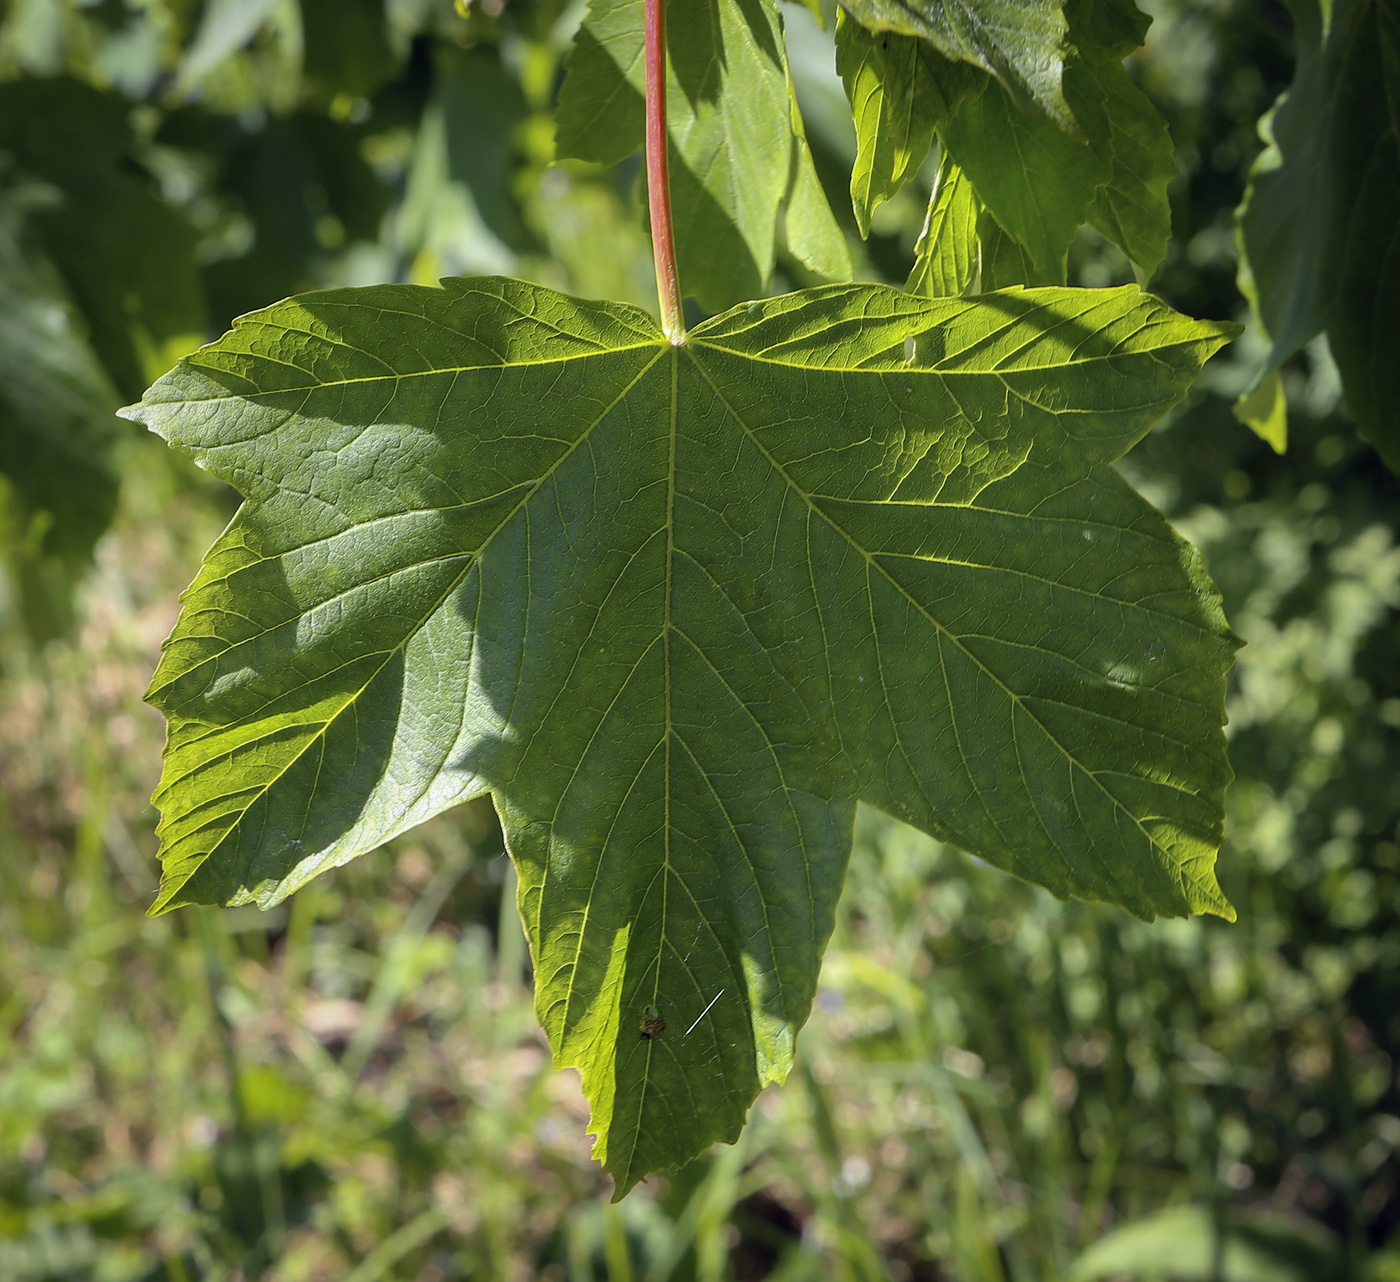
(678,609)
(1004,260)
(1021,42)
(1320,223)
(1037,182)
(346,44)
(1106,30)
(57,486)
(1130,137)
(288,175)
(126,257)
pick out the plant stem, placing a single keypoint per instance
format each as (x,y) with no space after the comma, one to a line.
(663,239)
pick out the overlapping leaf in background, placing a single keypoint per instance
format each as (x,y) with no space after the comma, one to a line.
(677,609)
(57,489)
(1020,42)
(1320,224)
(742,173)
(1100,154)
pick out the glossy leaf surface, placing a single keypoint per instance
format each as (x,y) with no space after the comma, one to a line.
(678,609)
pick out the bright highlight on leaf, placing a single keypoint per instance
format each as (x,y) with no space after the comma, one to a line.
(947,255)
(678,610)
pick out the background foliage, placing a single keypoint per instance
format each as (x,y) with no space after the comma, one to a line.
(354,1086)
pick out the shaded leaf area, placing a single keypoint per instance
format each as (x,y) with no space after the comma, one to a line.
(57,489)
(458,208)
(738,151)
(125,255)
(1038,178)
(286,175)
(1319,228)
(1037,181)
(678,609)
(1021,42)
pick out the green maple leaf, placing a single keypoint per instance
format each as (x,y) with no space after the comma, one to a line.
(678,609)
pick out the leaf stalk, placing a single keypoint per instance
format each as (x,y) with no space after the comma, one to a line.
(663,238)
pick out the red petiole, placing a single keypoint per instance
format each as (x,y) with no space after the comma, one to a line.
(663,239)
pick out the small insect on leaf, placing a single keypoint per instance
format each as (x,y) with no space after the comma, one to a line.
(652,1023)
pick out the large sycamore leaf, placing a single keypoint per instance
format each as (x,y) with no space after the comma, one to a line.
(1320,223)
(678,609)
(739,155)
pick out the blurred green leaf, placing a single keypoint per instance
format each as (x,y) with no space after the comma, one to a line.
(1190,1244)
(1265,410)
(1319,228)
(57,486)
(294,178)
(225,27)
(126,256)
(346,47)
(457,208)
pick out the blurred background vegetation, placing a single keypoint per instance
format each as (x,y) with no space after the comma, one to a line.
(994,1086)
